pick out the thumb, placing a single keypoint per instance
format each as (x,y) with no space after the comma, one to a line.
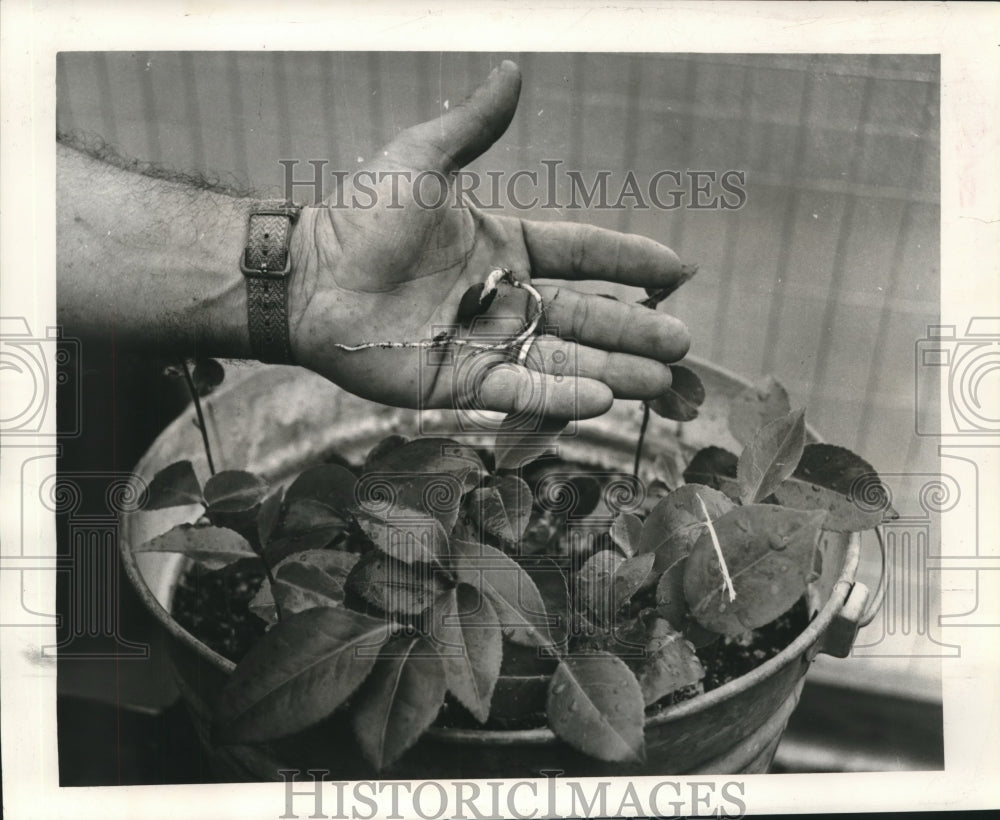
(469,129)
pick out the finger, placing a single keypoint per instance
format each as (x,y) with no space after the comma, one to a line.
(570,250)
(512,388)
(628,376)
(455,139)
(612,325)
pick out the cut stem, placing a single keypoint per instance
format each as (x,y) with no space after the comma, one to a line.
(642,438)
(201,417)
(718,550)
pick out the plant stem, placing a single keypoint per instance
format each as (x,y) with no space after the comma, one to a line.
(201,418)
(274,584)
(642,438)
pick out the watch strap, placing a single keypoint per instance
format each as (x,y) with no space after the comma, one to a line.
(266,266)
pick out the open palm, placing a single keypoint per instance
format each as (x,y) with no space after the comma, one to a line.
(397,272)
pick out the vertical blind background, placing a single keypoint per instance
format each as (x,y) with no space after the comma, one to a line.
(826,278)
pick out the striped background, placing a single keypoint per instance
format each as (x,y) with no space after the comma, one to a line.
(826,278)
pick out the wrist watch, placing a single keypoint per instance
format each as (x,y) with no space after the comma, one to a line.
(266,266)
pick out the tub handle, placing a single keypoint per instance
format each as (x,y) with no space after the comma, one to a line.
(879,597)
(843,629)
(857,612)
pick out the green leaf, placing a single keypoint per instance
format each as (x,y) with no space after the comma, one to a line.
(670,601)
(757,406)
(298,673)
(520,444)
(467,634)
(714,467)
(769,554)
(214,547)
(328,484)
(394,586)
(683,398)
(399,701)
(845,485)
(595,585)
(429,457)
(625,532)
(174,486)
(606,582)
(207,375)
(408,538)
(234,491)
(674,525)
(268,515)
(550,580)
(771,457)
(312,578)
(668,662)
(517,601)
(595,704)
(382,449)
(502,510)
(308,525)
(303,581)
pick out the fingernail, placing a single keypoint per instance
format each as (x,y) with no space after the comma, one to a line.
(687,271)
(493,73)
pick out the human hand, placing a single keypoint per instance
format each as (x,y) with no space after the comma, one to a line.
(398,274)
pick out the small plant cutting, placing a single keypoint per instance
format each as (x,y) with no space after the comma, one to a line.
(442,584)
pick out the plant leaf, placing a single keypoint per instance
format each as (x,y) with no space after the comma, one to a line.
(502,510)
(714,467)
(595,704)
(683,398)
(207,375)
(417,537)
(834,479)
(518,445)
(430,457)
(328,484)
(550,580)
(674,524)
(757,406)
(467,634)
(214,547)
(399,701)
(234,491)
(670,601)
(625,532)
(394,586)
(312,578)
(298,673)
(769,553)
(517,601)
(771,457)
(607,581)
(630,577)
(174,486)
(668,662)
(308,525)
(383,448)
(268,515)
(595,585)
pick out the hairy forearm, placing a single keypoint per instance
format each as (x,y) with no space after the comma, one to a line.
(149,262)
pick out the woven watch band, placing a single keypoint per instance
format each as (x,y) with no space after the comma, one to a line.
(267,267)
